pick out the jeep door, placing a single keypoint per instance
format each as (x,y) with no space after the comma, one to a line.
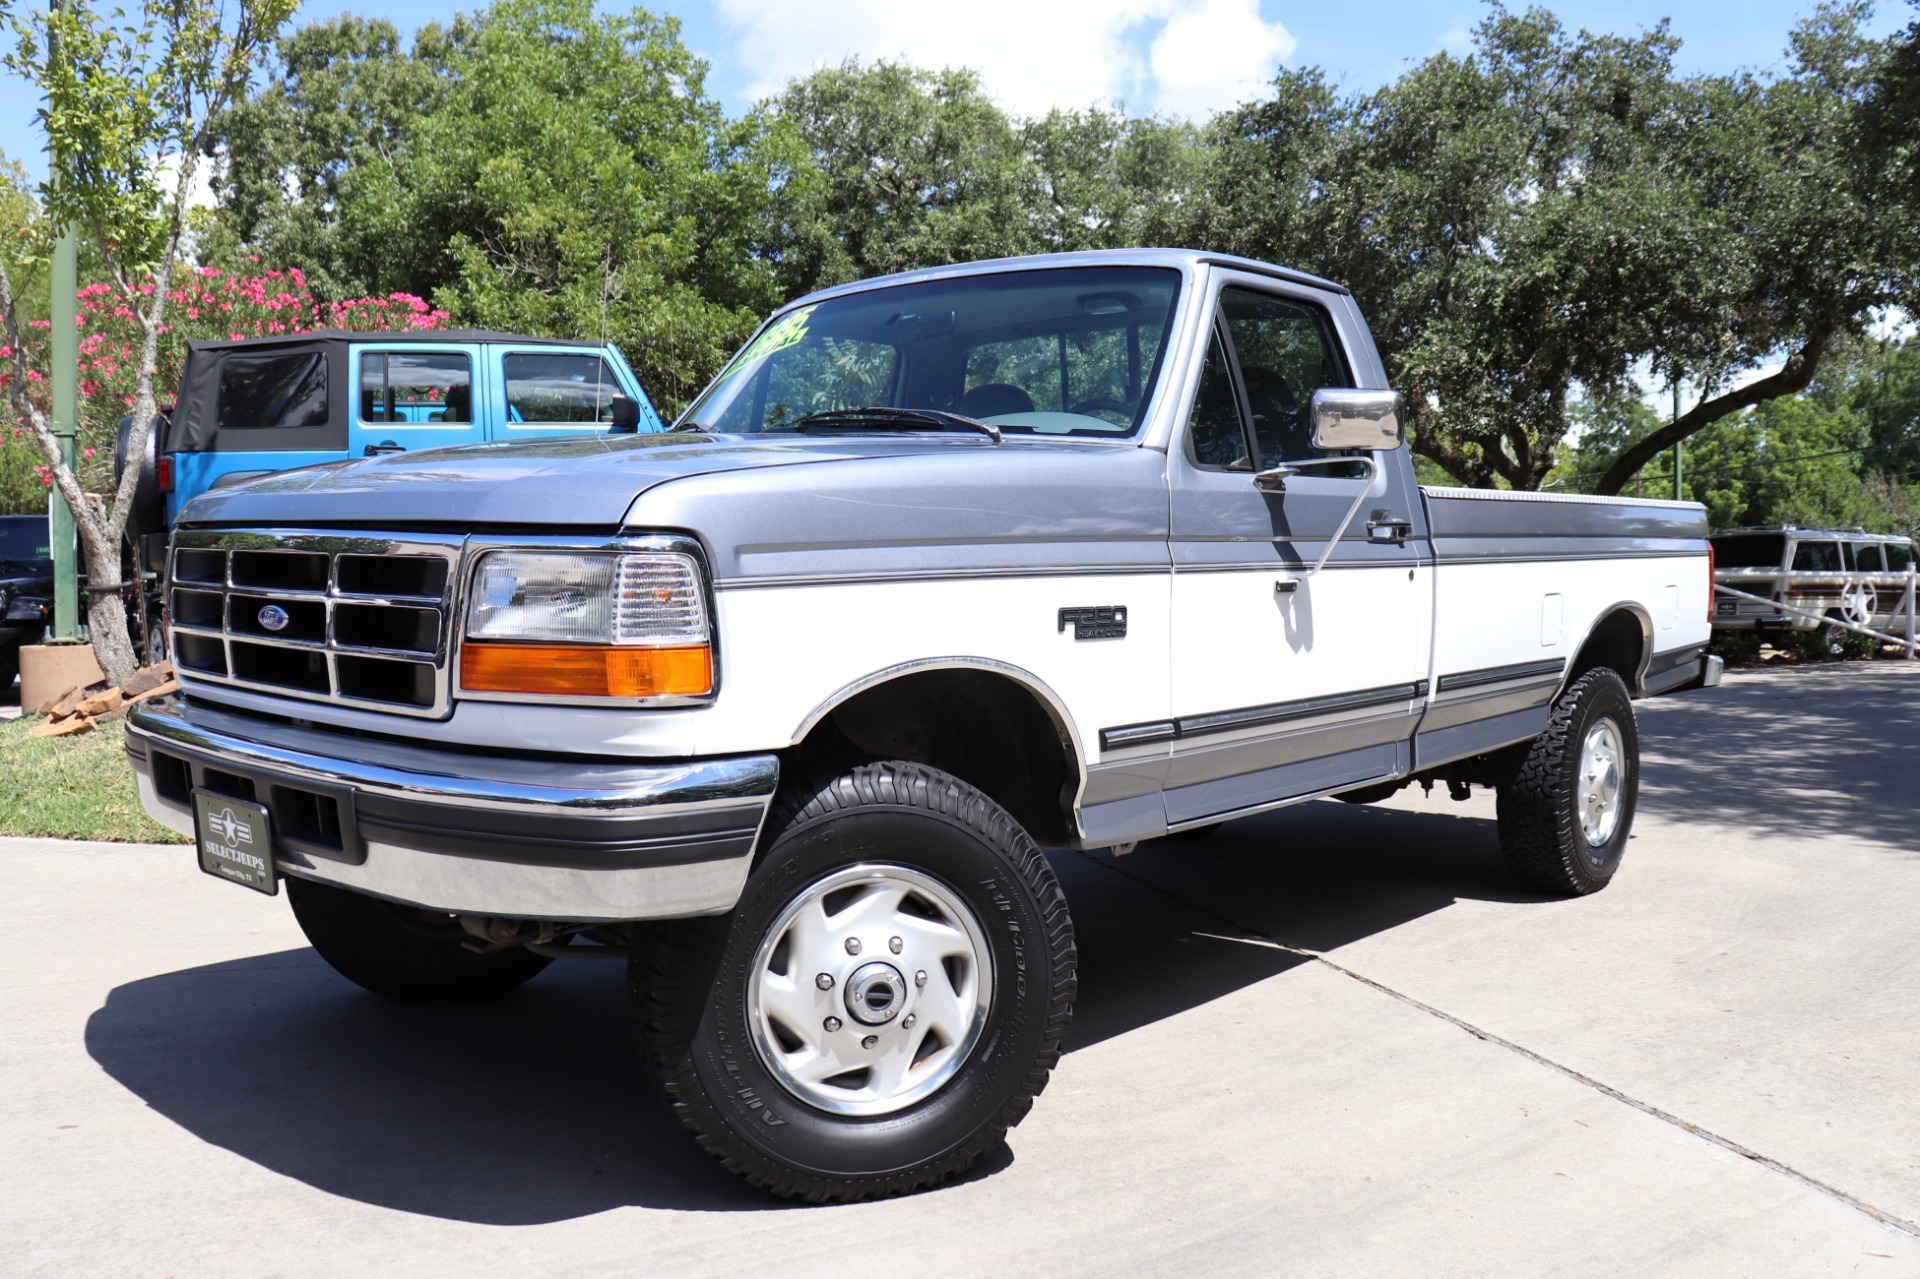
(412,395)
(1286,684)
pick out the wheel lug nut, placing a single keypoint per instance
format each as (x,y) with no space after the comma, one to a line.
(853,945)
(906,1023)
(920,978)
(832,1024)
(870,1041)
(824,981)
(895,945)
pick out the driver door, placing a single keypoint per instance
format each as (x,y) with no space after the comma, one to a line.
(1286,684)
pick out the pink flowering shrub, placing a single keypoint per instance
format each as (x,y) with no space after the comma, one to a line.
(205,302)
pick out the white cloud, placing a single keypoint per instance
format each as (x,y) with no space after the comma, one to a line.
(1215,54)
(1183,56)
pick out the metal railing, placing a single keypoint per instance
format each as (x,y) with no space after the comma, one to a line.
(1905,611)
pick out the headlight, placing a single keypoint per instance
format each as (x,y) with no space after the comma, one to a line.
(587,625)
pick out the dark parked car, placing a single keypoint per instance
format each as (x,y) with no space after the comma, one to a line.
(26,587)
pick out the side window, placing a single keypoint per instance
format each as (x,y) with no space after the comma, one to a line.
(425,387)
(1866,557)
(1215,426)
(559,388)
(1899,556)
(270,391)
(1286,351)
(1816,557)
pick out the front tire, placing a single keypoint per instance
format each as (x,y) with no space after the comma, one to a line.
(1567,813)
(414,956)
(883,1004)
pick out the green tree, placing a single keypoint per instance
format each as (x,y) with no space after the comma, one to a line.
(130,101)
(344,98)
(535,167)
(1816,229)
(1526,224)
(1097,179)
(916,168)
(1840,452)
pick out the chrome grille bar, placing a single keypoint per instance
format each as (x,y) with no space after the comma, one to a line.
(364,647)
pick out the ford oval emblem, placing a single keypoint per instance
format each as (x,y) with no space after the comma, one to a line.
(274,618)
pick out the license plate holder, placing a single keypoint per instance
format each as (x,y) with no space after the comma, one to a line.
(234,841)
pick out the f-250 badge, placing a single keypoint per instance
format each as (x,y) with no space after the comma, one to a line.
(1108,621)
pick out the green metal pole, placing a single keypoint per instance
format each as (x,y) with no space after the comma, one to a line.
(65,405)
(65,422)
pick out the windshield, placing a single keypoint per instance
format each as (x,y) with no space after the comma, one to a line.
(1065,352)
(25,539)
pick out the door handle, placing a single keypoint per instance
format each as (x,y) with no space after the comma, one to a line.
(1385,526)
(385,446)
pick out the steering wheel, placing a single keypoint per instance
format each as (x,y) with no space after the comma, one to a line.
(1102,404)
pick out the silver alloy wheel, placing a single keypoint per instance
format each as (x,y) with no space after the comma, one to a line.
(870,990)
(1600,781)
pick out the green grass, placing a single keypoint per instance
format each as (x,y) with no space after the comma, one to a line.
(72,787)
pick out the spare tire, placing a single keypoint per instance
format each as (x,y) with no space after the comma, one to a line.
(149,514)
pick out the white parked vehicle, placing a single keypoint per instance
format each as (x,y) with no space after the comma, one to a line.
(943,570)
(1846,574)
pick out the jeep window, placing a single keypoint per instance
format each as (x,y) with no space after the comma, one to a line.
(552,387)
(1899,556)
(416,387)
(1866,557)
(1065,352)
(1750,550)
(259,392)
(1816,557)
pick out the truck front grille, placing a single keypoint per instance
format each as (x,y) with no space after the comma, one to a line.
(359,619)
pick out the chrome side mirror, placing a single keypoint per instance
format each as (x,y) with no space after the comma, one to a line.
(1348,419)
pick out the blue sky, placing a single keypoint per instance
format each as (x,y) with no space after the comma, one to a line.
(1179,56)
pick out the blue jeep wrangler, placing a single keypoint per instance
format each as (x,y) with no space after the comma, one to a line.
(251,407)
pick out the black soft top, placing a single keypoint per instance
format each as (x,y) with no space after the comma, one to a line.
(194,425)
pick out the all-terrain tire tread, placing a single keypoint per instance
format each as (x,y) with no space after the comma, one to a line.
(1537,817)
(667,996)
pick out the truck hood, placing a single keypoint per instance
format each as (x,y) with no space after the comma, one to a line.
(576,482)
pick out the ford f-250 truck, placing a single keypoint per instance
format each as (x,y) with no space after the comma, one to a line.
(944,569)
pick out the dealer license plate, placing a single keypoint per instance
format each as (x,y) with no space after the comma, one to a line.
(235,841)
(1725,608)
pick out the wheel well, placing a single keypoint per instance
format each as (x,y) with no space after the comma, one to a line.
(983,727)
(1619,641)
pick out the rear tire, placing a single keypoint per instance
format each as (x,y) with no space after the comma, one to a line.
(1567,813)
(9,666)
(802,1048)
(414,956)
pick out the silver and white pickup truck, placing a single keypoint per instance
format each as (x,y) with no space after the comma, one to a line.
(944,569)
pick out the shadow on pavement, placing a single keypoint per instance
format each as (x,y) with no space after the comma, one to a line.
(1831,748)
(534,1109)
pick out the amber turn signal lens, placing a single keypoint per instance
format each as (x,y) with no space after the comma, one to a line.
(586,670)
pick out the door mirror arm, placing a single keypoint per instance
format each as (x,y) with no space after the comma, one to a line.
(1275,480)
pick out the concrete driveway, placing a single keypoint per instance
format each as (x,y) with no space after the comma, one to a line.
(1712,1068)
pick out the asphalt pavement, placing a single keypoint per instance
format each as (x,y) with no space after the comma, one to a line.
(1331,1041)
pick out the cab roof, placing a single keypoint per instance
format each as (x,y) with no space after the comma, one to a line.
(1182,259)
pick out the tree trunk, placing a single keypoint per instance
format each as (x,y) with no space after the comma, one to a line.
(107,621)
(1792,378)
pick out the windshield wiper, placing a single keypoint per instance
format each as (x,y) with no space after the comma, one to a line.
(685,426)
(885,418)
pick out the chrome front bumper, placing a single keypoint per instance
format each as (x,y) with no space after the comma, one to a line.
(479,834)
